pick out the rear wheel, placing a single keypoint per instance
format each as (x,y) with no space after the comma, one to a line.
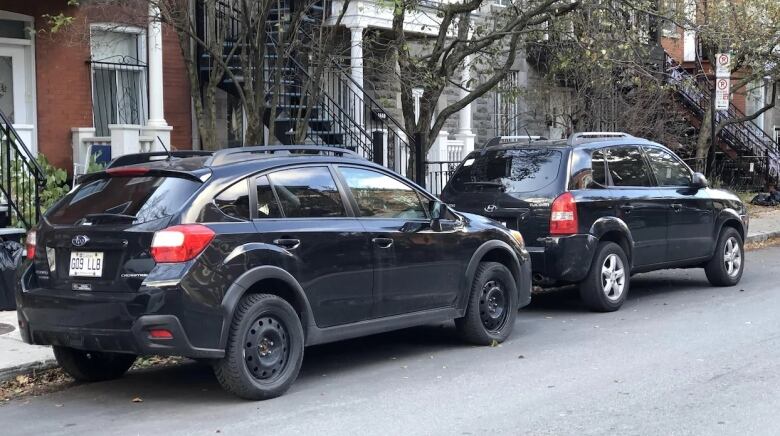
(492,306)
(92,366)
(606,286)
(726,266)
(264,350)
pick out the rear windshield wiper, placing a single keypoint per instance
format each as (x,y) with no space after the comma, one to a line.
(485,183)
(92,217)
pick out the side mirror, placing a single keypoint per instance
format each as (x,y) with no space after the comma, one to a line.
(699,181)
(438,211)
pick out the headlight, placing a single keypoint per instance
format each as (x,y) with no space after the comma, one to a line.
(518,237)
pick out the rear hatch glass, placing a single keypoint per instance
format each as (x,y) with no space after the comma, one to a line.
(97,238)
(512,186)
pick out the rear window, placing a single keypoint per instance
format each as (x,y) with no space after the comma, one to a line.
(518,170)
(144,199)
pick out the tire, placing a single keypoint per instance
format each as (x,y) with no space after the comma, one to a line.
(725,269)
(605,288)
(492,306)
(264,350)
(92,366)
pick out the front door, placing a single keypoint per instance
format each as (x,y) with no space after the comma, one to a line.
(690,212)
(412,272)
(17,96)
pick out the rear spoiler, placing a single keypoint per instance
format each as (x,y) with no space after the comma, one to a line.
(139,158)
(137,171)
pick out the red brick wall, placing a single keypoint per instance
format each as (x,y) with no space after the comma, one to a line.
(64,89)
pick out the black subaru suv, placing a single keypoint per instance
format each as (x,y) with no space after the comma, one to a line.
(601,206)
(244,257)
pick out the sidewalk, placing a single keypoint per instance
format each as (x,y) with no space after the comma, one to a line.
(16,357)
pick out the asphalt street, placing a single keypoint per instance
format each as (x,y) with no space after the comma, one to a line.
(680,357)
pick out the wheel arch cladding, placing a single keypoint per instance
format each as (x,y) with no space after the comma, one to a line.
(730,218)
(611,229)
(266,280)
(493,251)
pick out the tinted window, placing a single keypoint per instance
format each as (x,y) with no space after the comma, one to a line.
(514,170)
(267,206)
(145,198)
(627,167)
(599,171)
(668,170)
(307,193)
(381,196)
(234,201)
(588,170)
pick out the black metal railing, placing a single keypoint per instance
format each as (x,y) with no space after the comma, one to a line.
(21,178)
(747,139)
(119,92)
(437,174)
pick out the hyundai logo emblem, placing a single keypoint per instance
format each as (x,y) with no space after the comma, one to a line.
(491,208)
(80,240)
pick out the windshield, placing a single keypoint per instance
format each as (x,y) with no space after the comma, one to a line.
(127,199)
(513,170)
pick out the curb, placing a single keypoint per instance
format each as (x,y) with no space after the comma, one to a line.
(26,368)
(761,237)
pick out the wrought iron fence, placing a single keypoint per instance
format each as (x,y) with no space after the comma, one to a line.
(22,177)
(119,93)
(437,174)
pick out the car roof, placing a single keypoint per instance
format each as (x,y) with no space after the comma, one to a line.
(568,144)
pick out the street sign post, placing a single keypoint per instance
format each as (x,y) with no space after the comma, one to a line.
(723,65)
(722,90)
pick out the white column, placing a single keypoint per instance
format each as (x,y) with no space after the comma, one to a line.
(155,63)
(356,70)
(464,116)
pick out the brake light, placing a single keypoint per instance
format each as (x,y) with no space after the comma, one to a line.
(160,334)
(29,243)
(127,171)
(180,243)
(563,220)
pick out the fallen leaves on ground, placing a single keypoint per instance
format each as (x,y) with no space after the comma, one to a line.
(772,242)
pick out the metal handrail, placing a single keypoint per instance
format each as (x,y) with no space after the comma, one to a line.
(22,177)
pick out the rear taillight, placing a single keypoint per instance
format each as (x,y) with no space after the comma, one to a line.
(29,243)
(563,220)
(180,243)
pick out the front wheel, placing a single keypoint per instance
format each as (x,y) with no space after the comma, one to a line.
(92,366)
(726,266)
(605,288)
(264,351)
(492,306)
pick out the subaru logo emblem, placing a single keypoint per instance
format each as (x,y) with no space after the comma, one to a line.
(491,208)
(80,240)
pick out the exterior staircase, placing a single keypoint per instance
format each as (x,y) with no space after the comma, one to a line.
(21,182)
(337,110)
(750,156)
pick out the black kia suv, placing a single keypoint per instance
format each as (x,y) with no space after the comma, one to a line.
(244,257)
(599,207)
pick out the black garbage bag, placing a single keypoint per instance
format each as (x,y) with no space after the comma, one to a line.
(11,253)
(764,199)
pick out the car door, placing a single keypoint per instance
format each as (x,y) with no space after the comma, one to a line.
(415,267)
(301,211)
(690,215)
(637,201)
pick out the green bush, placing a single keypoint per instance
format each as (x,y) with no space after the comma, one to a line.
(23,189)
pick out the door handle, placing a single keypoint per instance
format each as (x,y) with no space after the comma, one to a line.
(383,242)
(676,207)
(627,208)
(289,244)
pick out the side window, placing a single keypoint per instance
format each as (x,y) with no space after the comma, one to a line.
(598,170)
(307,193)
(668,170)
(380,196)
(234,201)
(627,167)
(267,206)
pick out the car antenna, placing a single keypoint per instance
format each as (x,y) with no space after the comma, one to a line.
(170,156)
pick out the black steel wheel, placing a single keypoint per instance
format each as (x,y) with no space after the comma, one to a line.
(492,306)
(264,350)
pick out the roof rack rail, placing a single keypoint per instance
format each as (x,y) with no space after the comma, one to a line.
(139,158)
(235,154)
(583,137)
(512,139)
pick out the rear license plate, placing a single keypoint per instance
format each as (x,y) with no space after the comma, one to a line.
(86,264)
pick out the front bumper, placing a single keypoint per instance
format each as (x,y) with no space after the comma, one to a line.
(562,259)
(117,322)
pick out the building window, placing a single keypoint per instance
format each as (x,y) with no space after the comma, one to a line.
(669,8)
(119,77)
(507,106)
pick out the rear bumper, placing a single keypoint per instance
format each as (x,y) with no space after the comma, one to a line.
(104,321)
(562,259)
